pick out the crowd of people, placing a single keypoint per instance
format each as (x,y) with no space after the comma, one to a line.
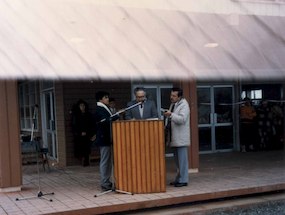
(96,128)
(261,126)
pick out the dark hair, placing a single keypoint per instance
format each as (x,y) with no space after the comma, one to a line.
(139,89)
(100,94)
(179,90)
(81,101)
(76,108)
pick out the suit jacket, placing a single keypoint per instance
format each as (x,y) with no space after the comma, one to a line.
(149,110)
(103,128)
(180,124)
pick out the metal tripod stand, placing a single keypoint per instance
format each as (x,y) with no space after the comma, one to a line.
(36,145)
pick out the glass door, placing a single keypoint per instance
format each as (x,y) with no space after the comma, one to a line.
(215,118)
(49,130)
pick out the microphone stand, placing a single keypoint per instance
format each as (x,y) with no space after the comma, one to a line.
(122,111)
(40,194)
(113,189)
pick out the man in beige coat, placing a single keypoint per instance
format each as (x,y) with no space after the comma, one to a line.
(180,135)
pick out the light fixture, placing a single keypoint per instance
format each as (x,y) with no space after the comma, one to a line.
(211,45)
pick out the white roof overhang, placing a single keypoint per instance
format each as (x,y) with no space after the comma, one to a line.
(86,39)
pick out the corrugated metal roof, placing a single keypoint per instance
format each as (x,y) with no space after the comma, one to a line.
(70,39)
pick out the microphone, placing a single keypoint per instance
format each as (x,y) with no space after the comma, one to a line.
(142,103)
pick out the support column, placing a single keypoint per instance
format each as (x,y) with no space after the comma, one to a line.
(10,157)
(190,94)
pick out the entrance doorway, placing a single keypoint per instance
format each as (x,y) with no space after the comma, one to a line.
(48,122)
(215,118)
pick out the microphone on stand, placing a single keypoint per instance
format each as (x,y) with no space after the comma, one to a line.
(142,103)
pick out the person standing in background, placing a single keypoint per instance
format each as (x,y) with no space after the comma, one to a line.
(265,126)
(179,135)
(248,126)
(112,105)
(146,110)
(277,123)
(82,130)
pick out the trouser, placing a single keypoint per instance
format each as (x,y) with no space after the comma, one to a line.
(248,135)
(181,161)
(105,165)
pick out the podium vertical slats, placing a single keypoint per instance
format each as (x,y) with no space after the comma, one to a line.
(139,160)
(151,144)
(134,139)
(138,166)
(117,156)
(147,159)
(157,157)
(143,156)
(127,148)
(123,164)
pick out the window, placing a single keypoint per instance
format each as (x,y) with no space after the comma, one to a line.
(27,103)
(256,94)
(252,94)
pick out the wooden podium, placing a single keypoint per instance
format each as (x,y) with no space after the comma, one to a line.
(139,156)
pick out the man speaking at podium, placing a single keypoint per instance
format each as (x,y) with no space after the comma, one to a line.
(146,110)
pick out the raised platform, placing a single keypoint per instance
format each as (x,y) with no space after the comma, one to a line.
(220,175)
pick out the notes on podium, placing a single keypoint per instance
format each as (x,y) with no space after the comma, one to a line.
(139,155)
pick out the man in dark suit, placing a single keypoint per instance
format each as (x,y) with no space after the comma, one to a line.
(146,110)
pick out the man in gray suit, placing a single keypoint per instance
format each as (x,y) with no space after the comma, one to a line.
(146,110)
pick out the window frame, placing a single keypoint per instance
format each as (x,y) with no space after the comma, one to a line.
(27,103)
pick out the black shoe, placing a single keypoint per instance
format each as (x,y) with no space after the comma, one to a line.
(180,184)
(173,183)
(106,188)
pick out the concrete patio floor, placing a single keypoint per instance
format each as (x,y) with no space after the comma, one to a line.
(220,175)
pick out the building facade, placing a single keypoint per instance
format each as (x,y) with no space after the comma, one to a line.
(218,52)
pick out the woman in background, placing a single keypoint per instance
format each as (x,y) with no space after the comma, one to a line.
(82,130)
